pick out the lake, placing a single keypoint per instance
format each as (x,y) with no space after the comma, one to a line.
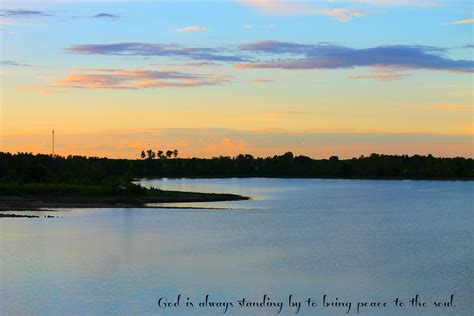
(351,240)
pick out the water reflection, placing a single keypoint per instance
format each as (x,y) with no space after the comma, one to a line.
(351,239)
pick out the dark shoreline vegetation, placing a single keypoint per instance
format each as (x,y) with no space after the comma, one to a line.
(48,196)
(27,167)
(35,182)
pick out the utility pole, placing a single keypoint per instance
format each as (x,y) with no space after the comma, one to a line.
(53,143)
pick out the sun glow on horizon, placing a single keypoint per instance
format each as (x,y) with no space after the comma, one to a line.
(253,82)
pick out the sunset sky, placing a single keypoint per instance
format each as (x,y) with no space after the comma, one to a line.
(318,78)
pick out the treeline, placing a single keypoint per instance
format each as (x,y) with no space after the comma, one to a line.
(27,167)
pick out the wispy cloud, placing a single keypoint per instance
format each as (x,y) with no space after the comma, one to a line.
(277,7)
(381,77)
(13,63)
(104,15)
(135,79)
(287,55)
(260,80)
(381,74)
(462,21)
(413,3)
(199,64)
(286,7)
(20,13)
(342,14)
(267,27)
(147,49)
(328,56)
(194,28)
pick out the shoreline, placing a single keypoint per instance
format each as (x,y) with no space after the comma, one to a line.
(11,203)
(309,177)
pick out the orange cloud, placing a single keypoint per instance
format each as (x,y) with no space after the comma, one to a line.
(260,80)
(379,76)
(135,79)
(229,144)
(462,21)
(215,142)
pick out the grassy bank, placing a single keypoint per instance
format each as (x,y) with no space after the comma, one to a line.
(39,196)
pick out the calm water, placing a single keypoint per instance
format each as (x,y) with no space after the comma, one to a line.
(354,240)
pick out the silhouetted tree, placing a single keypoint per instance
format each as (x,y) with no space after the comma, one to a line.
(169,153)
(175,153)
(143,154)
(151,154)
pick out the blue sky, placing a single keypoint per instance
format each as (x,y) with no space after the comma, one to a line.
(362,66)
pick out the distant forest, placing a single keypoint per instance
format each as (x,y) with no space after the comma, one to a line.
(27,167)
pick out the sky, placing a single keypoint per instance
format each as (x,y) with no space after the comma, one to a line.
(318,78)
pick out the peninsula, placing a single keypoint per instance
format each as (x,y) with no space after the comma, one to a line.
(48,196)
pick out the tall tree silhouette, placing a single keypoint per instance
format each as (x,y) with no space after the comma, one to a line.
(151,154)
